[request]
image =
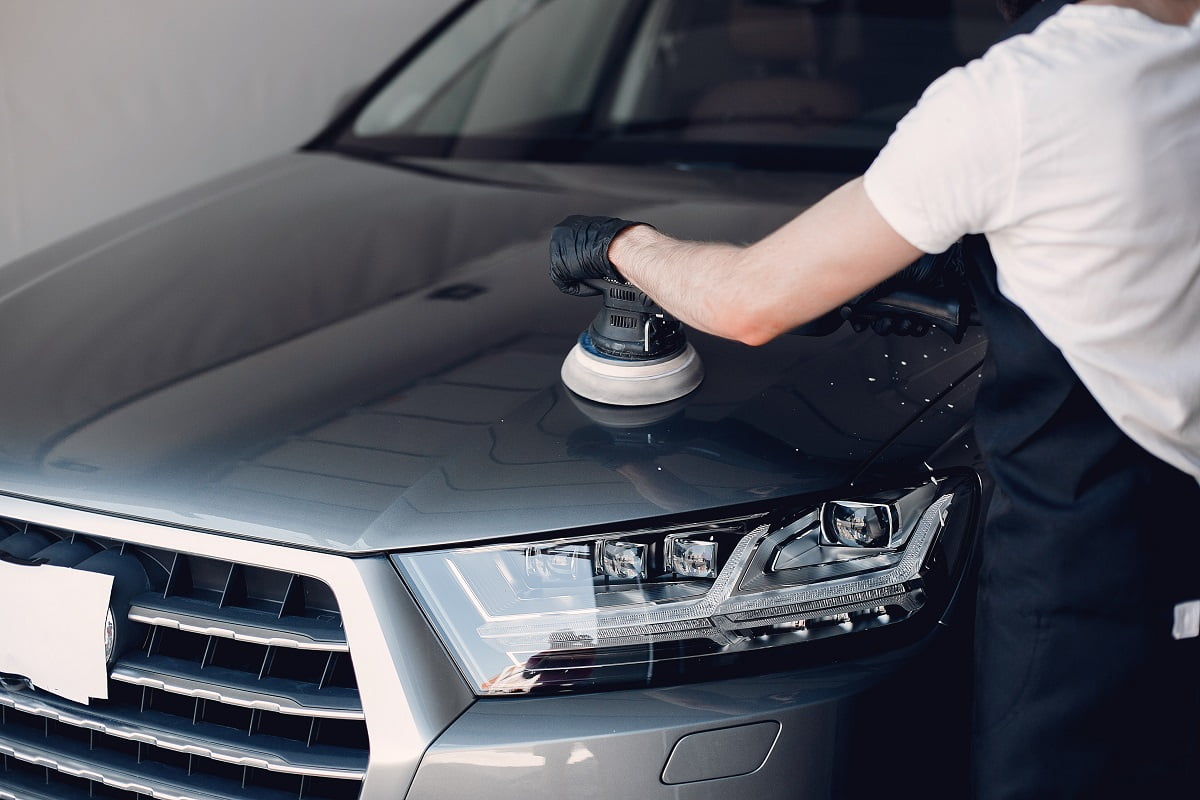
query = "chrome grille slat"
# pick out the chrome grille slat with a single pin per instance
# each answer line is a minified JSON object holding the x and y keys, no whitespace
{"x":27,"y":790}
{"x":77,"y":762}
{"x":237,"y":684}
{"x":209,"y":741}
{"x":194,"y":616}
{"x":230,"y":686}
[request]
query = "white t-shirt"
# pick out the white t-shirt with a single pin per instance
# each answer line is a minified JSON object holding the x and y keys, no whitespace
{"x":1076,"y":150}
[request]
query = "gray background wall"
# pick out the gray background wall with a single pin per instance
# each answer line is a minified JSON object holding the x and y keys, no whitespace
{"x":108,"y":104}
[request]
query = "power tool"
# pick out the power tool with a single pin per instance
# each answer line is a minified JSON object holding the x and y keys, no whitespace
{"x":633,"y":353}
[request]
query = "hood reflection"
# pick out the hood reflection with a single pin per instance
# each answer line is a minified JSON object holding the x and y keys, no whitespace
{"x":343,"y":356}
{"x":632,"y":441}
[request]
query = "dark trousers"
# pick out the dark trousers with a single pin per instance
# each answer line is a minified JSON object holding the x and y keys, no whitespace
{"x":1081,"y":690}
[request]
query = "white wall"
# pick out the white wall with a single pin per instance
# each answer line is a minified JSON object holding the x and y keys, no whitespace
{"x":108,"y":104}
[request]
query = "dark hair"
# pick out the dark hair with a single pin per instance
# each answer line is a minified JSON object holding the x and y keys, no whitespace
{"x":1011,"y":9}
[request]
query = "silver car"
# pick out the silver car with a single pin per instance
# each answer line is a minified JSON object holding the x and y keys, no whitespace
{"x":293,"y":502}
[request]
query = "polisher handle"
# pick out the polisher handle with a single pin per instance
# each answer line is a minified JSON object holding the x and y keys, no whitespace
{"x":631,"y":325}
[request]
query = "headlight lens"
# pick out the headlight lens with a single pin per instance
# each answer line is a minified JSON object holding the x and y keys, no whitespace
{"x":580,"y":611}
{"x":858,"y":524}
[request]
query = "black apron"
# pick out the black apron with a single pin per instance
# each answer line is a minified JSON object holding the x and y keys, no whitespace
{"x":1081,"y":691}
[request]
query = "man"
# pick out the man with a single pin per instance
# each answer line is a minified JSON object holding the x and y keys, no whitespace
{"x":1075,"y":151}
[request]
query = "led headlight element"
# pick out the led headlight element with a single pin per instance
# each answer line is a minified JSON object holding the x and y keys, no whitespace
{"x":858,"y":524}
{"x":581,"y":611}
{"x":620,"y":559}
{"x":558,"y":563}
{"x":691,"y":558}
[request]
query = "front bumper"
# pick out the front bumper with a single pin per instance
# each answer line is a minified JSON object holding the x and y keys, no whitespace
{"x":848,"y":729}
{"x":841,"y":728}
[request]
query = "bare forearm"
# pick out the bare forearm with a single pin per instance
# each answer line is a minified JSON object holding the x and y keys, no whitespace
{"x":834,"y":251}
{"x":686,"y":278}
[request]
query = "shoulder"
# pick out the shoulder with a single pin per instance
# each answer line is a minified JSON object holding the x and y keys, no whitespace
{"x":1084,"y":45}
{"x":947,"y":168}
{"x":968,"y":104}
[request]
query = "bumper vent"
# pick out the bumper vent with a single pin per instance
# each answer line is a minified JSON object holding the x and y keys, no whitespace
{"x":237,"y":683}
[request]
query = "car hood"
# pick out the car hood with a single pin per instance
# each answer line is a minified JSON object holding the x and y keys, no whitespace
{"x":360,"y":357}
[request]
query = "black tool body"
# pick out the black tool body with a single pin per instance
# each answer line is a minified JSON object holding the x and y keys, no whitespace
{"x":631,"y":326}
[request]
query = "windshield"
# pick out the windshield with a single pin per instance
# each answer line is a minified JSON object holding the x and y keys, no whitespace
{"x":764,"y":83}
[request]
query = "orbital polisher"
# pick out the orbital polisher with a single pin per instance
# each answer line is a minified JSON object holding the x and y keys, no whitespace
{"x":633,"y":353}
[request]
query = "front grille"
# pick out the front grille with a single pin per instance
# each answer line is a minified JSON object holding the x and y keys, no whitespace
{"x":239,"y":684}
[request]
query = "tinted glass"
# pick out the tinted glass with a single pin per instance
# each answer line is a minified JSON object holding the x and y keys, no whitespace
{"x":725,"y":81}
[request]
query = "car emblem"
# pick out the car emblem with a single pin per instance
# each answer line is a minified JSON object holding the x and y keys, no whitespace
{"x":110,"y":636}
{"x":53,"y":630}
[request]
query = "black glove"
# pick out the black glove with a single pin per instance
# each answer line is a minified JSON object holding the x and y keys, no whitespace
{"x":930,"y":291}
{"x":579,"y":252}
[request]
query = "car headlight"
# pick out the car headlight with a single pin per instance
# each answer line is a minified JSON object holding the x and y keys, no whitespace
{"x":611,"y":608}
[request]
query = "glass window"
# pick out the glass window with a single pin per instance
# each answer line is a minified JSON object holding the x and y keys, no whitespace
{"x":721,"y":81}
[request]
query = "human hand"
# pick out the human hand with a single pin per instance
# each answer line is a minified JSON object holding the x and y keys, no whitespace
{"x":930,"y":292}
{"x":579,"y":252}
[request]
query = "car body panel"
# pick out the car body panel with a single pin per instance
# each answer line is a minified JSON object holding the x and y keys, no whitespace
{"x":743,"y":737}
{"x":362,"y":357}
{"x":265,"y":389}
